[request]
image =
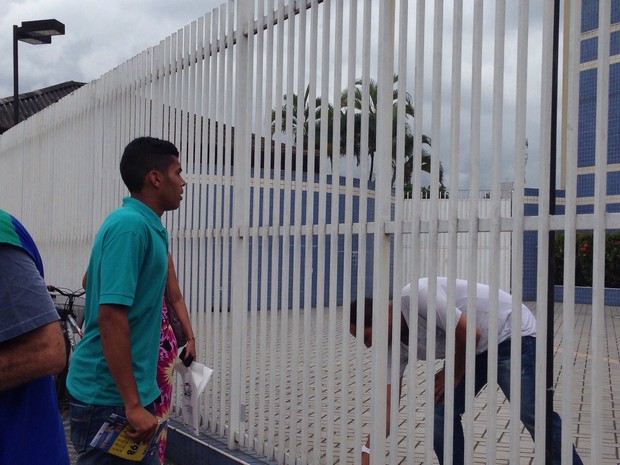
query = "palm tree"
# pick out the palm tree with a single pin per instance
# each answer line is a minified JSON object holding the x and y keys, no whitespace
{"x":372,"y":128}
{"x":289,"y":110}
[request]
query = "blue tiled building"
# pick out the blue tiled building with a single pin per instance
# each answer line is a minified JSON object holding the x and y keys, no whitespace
{"x":588,"y":56}
{"x":587,"y":106}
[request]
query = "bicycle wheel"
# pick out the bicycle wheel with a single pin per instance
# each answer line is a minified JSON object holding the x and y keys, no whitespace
{"x":60,"y":380}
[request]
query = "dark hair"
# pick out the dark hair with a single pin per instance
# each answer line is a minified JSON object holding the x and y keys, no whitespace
{"x":143,"y":155}
{"x":367,"y":313}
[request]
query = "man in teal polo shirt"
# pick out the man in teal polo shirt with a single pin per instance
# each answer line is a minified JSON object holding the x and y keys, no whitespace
{"x":113,"y":369}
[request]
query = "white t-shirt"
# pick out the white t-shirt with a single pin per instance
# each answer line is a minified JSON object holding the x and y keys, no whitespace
{"x":504,"y":311}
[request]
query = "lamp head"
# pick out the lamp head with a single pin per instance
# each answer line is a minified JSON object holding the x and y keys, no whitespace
{"x":39,"y":32}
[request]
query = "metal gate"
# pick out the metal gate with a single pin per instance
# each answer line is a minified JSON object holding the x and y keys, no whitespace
{"x":302,"y":126}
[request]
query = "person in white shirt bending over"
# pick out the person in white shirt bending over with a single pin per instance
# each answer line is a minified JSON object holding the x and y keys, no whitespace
{"x":527,"y":332}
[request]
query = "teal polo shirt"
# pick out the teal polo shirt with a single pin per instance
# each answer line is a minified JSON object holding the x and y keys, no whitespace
{"x":128,"y":266}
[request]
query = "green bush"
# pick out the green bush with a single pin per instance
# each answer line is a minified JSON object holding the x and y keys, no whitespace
{"x":584,"y":245}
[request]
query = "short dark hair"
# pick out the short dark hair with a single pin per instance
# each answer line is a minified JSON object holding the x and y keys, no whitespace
{"x":367,"y":313}
{"x":143,"y":155}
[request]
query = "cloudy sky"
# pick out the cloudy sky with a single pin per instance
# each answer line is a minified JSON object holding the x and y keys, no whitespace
{"x":102,"y":35}
{"x":99,"y":36}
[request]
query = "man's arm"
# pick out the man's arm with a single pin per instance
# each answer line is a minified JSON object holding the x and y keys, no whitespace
{"x":37,"y":353}
{"x":388,"y":408}
{"x":460,"y":343}
{"x":116,"y":342}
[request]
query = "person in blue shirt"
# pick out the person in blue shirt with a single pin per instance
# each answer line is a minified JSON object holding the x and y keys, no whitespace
{"x":113,"y":369}
{"x":32,"y":349}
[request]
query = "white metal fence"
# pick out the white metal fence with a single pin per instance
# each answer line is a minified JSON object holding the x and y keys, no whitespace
{"x":491,"y":261}
{"x":271,"y":249}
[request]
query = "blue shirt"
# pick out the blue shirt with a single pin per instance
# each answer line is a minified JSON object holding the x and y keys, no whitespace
{"x":31,"y":430}
{"x":128,"y":266}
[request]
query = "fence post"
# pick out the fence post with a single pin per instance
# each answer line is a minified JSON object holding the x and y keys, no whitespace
{"x":382,"y":240}
{"x":241,"y":165}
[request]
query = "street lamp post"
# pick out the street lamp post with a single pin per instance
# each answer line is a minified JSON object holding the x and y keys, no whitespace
{"x":36,"y":33}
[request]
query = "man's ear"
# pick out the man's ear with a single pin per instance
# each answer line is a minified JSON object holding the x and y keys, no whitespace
{"x":153,"y":178}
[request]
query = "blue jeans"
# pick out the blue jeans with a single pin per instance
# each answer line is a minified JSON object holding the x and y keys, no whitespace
{"x":86,"y":419}
{"x":528,"y":383}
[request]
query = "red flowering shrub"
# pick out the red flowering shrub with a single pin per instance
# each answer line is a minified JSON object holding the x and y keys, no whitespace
{"x":583,"y":263}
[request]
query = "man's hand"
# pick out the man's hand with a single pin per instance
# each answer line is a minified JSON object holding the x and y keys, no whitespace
{"x":366,"y":453}
{"x":143,"y":423}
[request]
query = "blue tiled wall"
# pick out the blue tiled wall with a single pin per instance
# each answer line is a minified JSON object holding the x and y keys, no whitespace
{"x":615,"y":11}
{"x":589,"y":49}
{"x":589,"y":14}
{"x":587,"y":118}
{"x":613,"y":135}
{"x":585,"y":184}
{"x":583,"y":295}
{"x":275,"y":270}
{"x":614,"y":48}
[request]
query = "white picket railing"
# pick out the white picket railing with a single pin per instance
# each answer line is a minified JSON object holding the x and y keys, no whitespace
{"x":270,"y":249}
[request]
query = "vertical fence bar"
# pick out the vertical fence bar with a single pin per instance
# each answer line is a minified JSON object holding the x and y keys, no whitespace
{"x":240,"y":220}
{"x":334,"y":220}
{"x":518,"y":227}
{"x":598,"y":253}
{"x":206,"y":172}
{"x":457,"y":52}
{"x":415,"y":257}
{"x":276,"y":331}
{"x":254,"y":430}
{"x":157,"y":117}
{"x":495,"y":216}
{"x":217,"y":157}
{"x":247,"y":365}
{"x":297,"y":336}
{"x":552,"y":211}
{"x":212,"y":291}
{"x":362,"y":218}
{"x":404,"y":108}
{"x":573,"y":12}
{"x":348,"y":239}
{"x":267,"y":223}
{"x":542,"y":307}
{"x":382,"y":240}
{"x":321,"y":224}
{"x":544,"y":230}
{"x":286,"y":34}
{"x":308,"y":389}
{"x":195,"y":307}
{"x":473,"y":234}
{"x":227,"y":213}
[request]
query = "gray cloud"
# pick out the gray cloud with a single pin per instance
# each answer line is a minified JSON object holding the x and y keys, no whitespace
{"x":99,"y":36}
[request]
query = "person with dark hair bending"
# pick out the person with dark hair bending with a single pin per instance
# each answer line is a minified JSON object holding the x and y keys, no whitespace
{"x":527,"y":333}
{"x":113,"y":369}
